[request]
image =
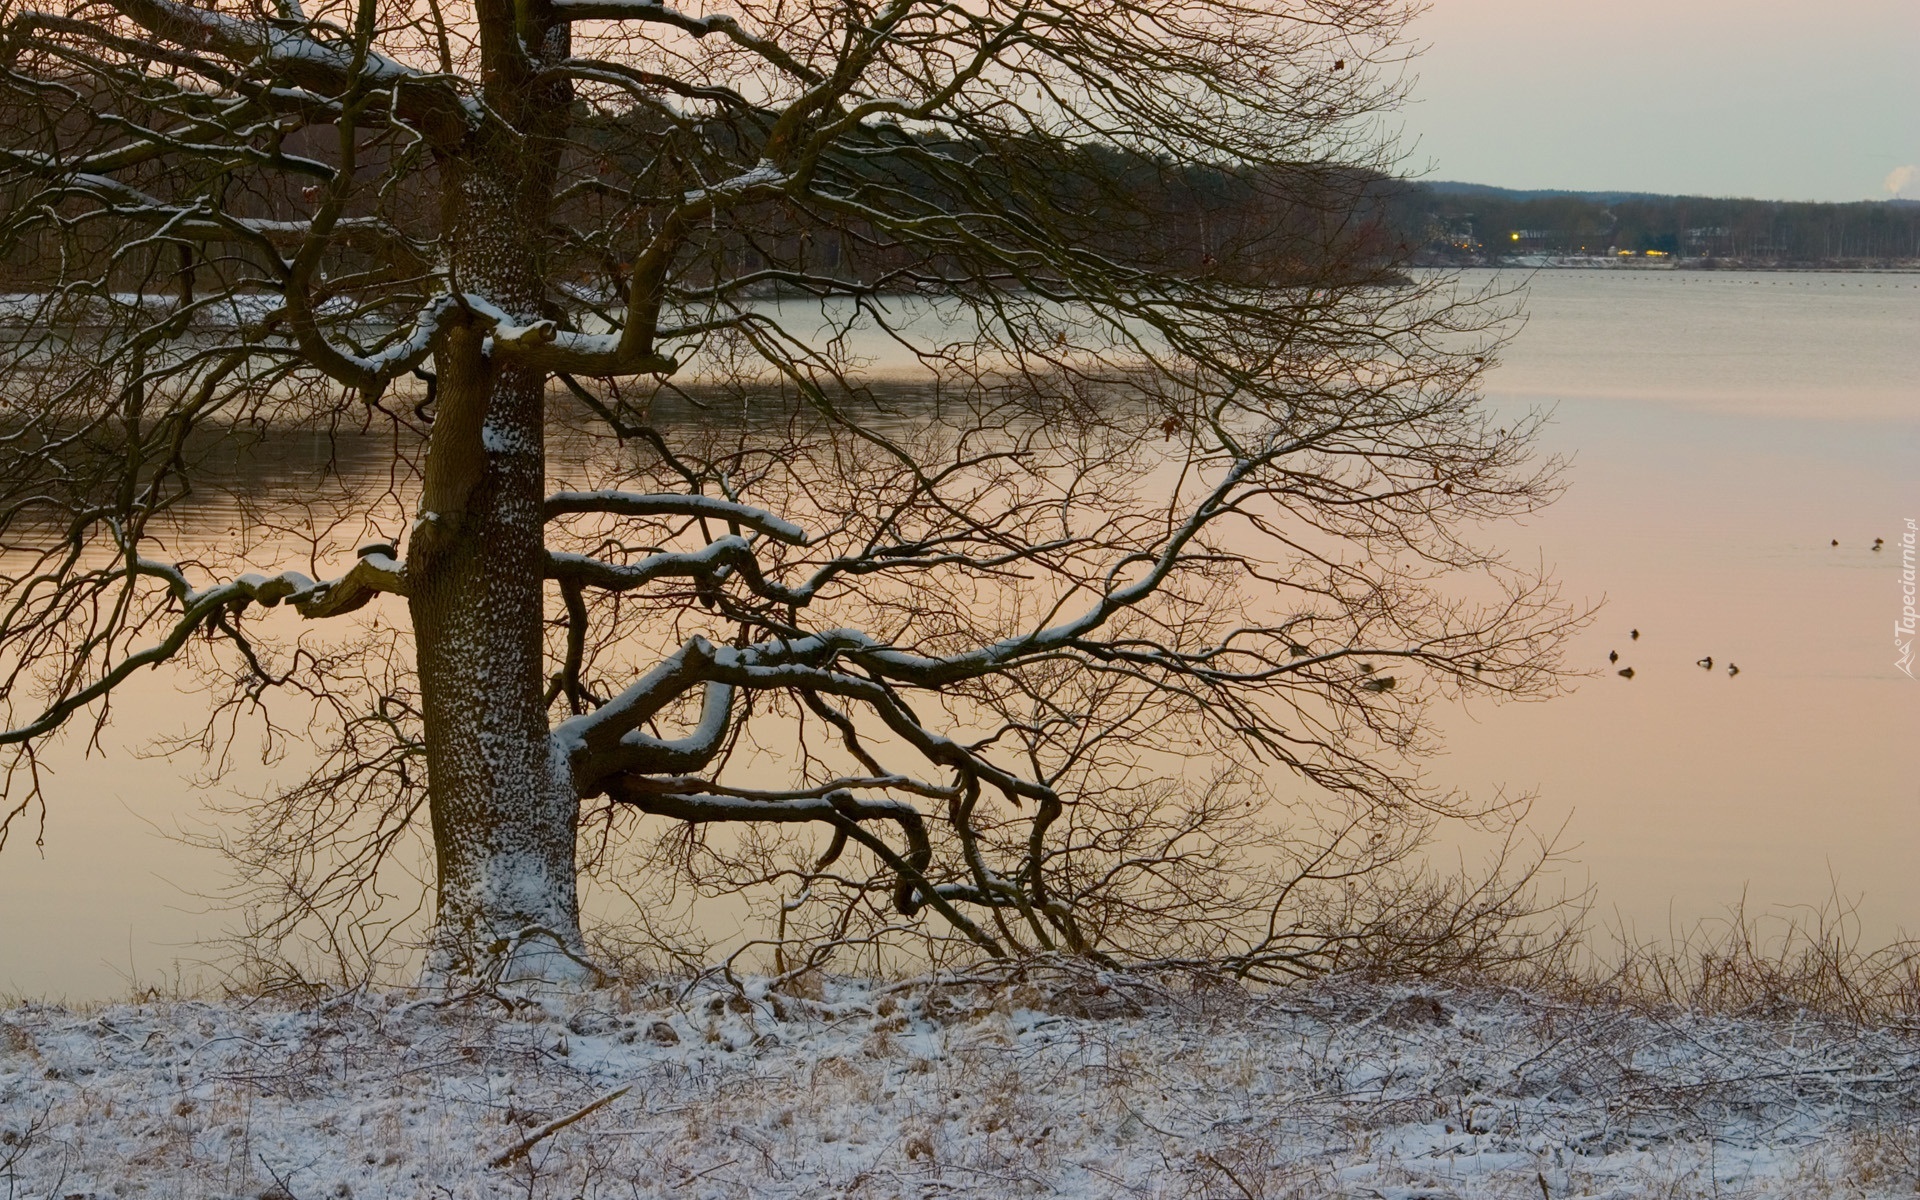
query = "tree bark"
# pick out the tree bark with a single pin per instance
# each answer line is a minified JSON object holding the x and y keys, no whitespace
{"x":502,"y":803}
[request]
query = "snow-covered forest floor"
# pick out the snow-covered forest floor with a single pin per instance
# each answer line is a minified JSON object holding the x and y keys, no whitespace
{"x":1114,"y":1088}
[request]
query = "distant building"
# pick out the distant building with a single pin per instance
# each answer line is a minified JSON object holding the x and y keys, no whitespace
{"x":1454,"y":236}
{"x":1707,"y":241}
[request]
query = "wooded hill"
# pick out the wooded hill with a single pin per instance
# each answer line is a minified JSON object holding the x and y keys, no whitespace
{"x":1468,"y":222}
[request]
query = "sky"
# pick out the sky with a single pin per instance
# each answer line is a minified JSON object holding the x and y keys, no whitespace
{"x":1801,"y":100}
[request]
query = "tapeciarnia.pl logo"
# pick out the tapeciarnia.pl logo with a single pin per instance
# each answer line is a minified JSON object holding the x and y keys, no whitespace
{"x":1903,"y":629}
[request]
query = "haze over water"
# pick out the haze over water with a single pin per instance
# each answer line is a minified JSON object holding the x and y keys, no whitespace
{"x":1723,"y":430}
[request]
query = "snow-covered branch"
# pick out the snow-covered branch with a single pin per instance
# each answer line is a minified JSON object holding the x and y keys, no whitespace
{"x":369,"y":373}
{"x":642,"y":85}
{"x":762,"y":176}
{"x":644,"y":754}
{"x":701,"y":808}
{"x":700,"y":27}
{"x":717,"y":558}
{"x":293,"y":52}
{"x":674,"y":504}
{"x":841,"y":809}
{"x":543,"y":345}
{"x":595,"y":737}
{"x":373,"y":574}
{"x":149,"y":144}
{"x":197,"y":222}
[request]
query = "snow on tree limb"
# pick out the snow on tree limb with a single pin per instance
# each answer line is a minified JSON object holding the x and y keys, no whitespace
{"x":658,"y":13}
{"x":372,"y":575}
{"x":629,"y":504}
{"x":641,"y":752}
{"x":722,"y":554}
{"x":545,"y":346}
{"x":294,"y":54}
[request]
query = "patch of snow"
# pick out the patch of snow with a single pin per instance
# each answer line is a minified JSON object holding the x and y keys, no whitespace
{"x":1335,"y":1089}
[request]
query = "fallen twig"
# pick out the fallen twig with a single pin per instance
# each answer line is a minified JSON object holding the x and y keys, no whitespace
{"x":555,"y":1126}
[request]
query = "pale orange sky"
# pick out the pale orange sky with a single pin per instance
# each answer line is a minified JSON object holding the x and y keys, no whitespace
{"x":1780,"y":99}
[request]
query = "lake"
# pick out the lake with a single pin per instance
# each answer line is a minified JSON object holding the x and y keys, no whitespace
{"x":1723,"y":429}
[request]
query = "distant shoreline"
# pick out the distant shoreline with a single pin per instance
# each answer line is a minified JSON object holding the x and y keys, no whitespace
{"x":1558,"y":263}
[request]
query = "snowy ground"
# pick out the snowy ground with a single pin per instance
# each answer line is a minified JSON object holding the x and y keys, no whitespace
{"x":1335,"y":1090}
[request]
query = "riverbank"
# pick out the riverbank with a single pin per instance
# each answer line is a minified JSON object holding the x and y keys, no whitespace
{"x":1104,"y":1088}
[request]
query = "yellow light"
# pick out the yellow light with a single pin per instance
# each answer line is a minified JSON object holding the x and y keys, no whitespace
{"x":1516,"y":237}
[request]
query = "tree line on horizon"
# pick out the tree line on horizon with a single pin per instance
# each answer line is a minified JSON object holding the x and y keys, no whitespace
{"x":1241,"y":223}
{"x":1237,"y":223}
{"x":1469,"y":226}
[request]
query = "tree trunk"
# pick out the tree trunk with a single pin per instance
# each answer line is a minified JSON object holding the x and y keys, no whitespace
{"x":502,"y":804}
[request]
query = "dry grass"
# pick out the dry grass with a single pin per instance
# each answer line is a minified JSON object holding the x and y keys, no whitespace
{"x":1758,"y":1055}
{"x":1060,"y":1081}
{"x":1810,"y":960}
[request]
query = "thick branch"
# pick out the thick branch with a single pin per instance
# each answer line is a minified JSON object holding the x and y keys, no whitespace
{"x":699,"y":27}
{"x":840,"y":809}
{"x":641,"y":753}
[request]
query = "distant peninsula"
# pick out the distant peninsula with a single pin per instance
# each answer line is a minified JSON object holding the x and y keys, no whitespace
{"x":1472,"y":224}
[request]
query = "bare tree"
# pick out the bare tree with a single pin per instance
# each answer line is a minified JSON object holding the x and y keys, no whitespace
{"x":1193,"y":480}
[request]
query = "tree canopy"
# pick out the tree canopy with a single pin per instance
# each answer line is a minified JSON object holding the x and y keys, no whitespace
{"x":1103,"y":619}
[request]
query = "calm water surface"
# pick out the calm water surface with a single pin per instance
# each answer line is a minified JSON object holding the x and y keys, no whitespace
{"x":1723,"y":429}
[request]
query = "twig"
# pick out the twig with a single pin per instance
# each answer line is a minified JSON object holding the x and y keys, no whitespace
{"x":1216,"y":1164}
{"x":555,"y":1126}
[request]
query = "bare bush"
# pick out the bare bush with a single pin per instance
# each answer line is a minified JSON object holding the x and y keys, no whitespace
{"x":1800,"y":960}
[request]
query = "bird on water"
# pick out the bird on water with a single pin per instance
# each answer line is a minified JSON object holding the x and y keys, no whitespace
{"x":1705,"y":664}
{"x":1732,"y":670}
{"x":1613,"y":656}
{"x":1635,"y":635}
{"x":1626,"y":672}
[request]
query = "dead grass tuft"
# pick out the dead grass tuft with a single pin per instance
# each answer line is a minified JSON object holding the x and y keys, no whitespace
{"x":1799,"y":961}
